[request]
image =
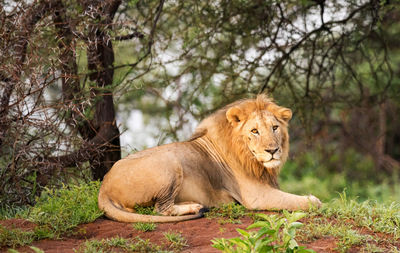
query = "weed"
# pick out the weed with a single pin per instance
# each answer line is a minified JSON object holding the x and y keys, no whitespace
{"x":143,"y":226}
{"x":177,"y":241}
{"x":274,"y":234}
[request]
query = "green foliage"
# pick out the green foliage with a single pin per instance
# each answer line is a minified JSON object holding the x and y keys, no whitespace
{"x":110,"y":244}
{"x":144,"y":226}
{"x":274,"y":234}
{"x":176,"y":240}
{"x":63,"y":209}
{"x":227,"y":213}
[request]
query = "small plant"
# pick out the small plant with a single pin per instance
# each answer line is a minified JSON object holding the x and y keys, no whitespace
{"x":274,"y":235}
{"x":143,"y":226}
{"x":177,"y":241}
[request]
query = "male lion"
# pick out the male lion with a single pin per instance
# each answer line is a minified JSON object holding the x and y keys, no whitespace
{"x":235,"y":154}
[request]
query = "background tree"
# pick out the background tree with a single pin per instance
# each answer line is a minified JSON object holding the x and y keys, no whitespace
{"x":57,"y":114}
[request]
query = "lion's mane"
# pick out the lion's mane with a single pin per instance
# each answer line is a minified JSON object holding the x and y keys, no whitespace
{"x":233,"y":148}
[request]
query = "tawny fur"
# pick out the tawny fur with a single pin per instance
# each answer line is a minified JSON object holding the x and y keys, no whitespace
{"x":229,"y":158}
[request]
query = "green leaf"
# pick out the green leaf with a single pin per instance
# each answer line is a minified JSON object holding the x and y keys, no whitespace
{"x":296,"y":224}
{"x":242,"y":232}
{"x":259,"y":224}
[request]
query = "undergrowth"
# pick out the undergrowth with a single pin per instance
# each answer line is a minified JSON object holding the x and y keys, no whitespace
{"x":63,"y":209}
{"x":56,"y":212}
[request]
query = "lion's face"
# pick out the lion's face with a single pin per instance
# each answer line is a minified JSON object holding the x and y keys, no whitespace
{"x":264,"y":133}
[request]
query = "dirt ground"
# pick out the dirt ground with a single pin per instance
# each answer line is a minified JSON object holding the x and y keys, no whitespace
{"x":198,"y":234}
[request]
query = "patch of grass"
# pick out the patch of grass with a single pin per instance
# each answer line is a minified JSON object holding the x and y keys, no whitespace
{"x":275,"y":234}
{"x":146,"y":210}
{"x":63,"y":209}
{"x":176,"y":240}
{"x":9,"y":212}
{"x":33,"y":248}
{"x":345,"y":220}
{"x":227,"y":213}
{"x":144,"y":226}
{"x":127,"y":245}
{"x":375,"y":216}
{"x":343,"y":232}
{"x":16,"y":237}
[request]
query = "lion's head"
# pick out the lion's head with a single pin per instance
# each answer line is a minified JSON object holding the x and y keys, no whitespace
{"x":253,"y":131}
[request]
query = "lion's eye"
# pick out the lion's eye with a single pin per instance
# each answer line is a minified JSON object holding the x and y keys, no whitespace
{"x":274,"y":127}
{"x":254,"y":131}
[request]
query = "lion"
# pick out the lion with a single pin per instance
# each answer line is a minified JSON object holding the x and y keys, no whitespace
{"x":235,"y":155}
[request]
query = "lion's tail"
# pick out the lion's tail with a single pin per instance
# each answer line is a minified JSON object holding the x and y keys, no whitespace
{"x":118,"y":214}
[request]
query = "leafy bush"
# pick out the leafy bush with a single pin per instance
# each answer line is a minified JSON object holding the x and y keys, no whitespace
{"x":274,"y":235}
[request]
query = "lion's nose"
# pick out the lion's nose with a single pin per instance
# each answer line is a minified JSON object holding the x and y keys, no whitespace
{"x":271,"y":151}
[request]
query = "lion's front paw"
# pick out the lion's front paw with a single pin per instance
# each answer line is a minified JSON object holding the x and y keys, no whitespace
{"x":314,"y":201}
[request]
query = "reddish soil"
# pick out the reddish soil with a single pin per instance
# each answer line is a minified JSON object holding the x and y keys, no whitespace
{"x":198,"y":234}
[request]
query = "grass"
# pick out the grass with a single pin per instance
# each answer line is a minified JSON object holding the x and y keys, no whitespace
{"x":56,"y":212}
{"x":145,"y":227}
{"x":227,"y":213}
{"x":63,"y":209}
{"x":355,"y":223}
{"x":111,"y":244}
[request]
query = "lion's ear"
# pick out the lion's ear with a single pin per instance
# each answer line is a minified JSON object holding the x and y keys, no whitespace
{"x":285,"y":114}
{"x":235,"y":115}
